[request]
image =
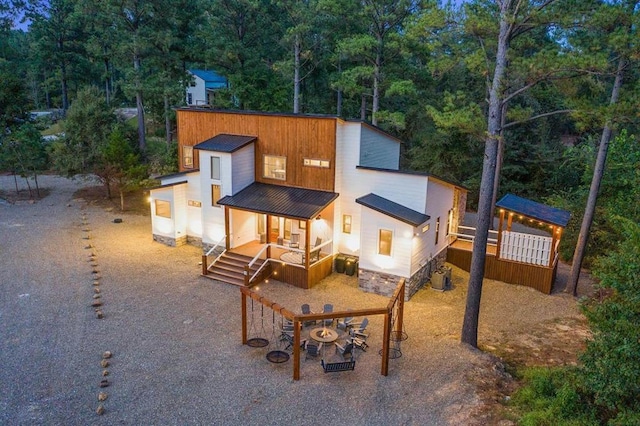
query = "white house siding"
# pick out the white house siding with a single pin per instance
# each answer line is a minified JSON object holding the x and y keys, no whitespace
{"x":194,"y":212}
{"x":347,"y":158}
{"x":213,"y":229}
{"x":378,"y":150}
{"x":399,"y":263}
{"x":244,"y":228}
{"x":171,"y":231}
{"x":440,"y":198}
{"x":242,"y":168}
{"x":198,"y":92}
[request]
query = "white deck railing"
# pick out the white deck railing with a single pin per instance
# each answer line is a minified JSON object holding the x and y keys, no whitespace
{"x":470,"y":236}
{"x":526,"y":248}
{"x":209,"y":265}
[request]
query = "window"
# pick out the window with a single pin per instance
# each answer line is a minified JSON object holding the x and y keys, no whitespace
{"x":189,"y":98}
{"x":215,"y":195}
{"x":437,"y":229}
{"x":312,"y":162}
{"x":215,"y":168}
{"x":163,"y":208}
{"x":187,"y":156}
{"x":287,"y":229}
{"x":346,"y":223}
{"x":302,"y":224}
{"x":384,"y":242}
{"x":275,"y":167}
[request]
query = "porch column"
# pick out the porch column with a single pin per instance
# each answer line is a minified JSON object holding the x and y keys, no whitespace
{"x":268,"y":236}
{"x":307,"y":242}
{"x":227,"y":238}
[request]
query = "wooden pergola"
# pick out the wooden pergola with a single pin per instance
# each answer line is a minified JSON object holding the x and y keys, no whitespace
{"x":298,"y":319}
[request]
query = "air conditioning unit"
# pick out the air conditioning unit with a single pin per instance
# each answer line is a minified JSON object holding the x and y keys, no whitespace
{"x":441,"y":279}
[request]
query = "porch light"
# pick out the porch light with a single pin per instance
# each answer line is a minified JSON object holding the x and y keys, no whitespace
{"x":319,"y":217}
{"x":501,"y":210}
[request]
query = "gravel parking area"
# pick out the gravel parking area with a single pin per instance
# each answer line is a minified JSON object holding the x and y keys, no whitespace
{"x":176,"y":337}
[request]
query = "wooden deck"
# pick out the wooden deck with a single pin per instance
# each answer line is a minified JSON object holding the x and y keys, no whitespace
{"x":540,"y":278}
{"x":293,"y":274}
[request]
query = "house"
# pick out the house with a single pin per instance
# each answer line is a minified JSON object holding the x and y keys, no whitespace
{"x":203,"y":85}
{"x":298,"y":196}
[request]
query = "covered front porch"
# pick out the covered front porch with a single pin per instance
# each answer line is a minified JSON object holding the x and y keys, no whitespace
{"x":517,"y":256}
{"x":275,"y":231}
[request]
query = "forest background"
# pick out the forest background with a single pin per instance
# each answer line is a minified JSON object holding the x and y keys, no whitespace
{"x":421,"y":70}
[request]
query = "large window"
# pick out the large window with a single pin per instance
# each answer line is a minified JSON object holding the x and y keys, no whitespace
{"x":187,"y":156}
{"x":346,"y":223}
{"x":163,"y":208}
{"x":275,"y":167}
{"x":384,"y":242}
{"x":215,"y":168}
{"x":215,"y":195}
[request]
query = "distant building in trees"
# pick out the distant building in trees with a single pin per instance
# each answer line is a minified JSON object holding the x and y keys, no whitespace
{"x":204,"y":83}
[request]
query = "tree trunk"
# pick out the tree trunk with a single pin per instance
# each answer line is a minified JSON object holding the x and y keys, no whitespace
{"x":296,"y":75}
{"x":598,"y":172}
{"x":339,"y":93}
{"x":499,"y":160}
{"x":35,"y":178}
{"x":107,"y":90}
{"x":476,"y":274}
{"x":167,"y":119}
{"x":26,"y":179}
{"x":63,"y":80}
{"x":375,"y":105}
{"x":121,"y":200}
{"x":142,"y":144}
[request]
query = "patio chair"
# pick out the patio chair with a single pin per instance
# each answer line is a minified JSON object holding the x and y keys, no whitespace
{"x":307,"y":310}
{"x":359,"y":329}
{"x":312,"y":350}
{"x":345,"y":323}
{"x":295,"y":241}
{"x":346,"y":351}
{"x":328,"y":307}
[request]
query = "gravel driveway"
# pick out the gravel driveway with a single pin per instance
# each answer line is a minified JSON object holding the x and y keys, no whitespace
{"x":175,"y":336}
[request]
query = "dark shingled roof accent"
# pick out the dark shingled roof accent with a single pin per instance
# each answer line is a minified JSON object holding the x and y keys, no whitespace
{"x":168,"y":185}
{"x":395,"y":210}
{"x":225,"y":143}
{"x":534,"y":210}
{"x":296,"y":203}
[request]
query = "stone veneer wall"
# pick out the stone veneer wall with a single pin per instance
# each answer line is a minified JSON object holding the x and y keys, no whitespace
{"x":171,"y":242}
{"x":385,"y":284}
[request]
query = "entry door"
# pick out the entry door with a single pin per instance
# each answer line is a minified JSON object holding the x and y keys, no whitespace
{"x":275,"y":227}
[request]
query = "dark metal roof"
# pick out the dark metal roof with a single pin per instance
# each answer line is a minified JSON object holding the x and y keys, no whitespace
{"x":395,"y":210}
{"x":296,"y":203}
{"x":168,"y":185}
{"x":225,"y":143}
{"x":172,"y":175}
{"x":534,"y":210}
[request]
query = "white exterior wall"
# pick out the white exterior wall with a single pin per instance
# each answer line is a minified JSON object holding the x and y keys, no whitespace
{"x":175,"y":226}
{"x":347,"y":158}
{"x":399,"y":263}
{"x":213,"y":229}
{"x":198,"y":92}
{"x":243,"y":168}
{"x":194,"y":213}
{"x":378,"y":150}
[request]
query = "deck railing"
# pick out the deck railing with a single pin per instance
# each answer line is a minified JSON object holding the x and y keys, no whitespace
{"x":471,"y":235}
{"x":205,"y":257}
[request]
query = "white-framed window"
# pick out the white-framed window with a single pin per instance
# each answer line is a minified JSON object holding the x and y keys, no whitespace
{"x":189,"y":98}
{"x":274,"y":167}
{"x":215,"y":168}
{"x":314,"y":162}
{"x":385,"y":237}
{"x":346,"y":223}
{"x":437,"y":229}
{"x":187,"y":156}
{"x":163,"y":208}
{"x":215,"y":195}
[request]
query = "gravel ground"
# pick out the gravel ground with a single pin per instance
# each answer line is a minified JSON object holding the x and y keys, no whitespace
{"x":176,"y":339}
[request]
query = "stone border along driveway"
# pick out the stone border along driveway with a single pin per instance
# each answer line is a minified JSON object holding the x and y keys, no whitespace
{"x":175,"y":336}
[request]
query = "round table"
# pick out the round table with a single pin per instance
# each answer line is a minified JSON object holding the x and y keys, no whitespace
{"x":292,"y":257}
{"x":324,"y":334}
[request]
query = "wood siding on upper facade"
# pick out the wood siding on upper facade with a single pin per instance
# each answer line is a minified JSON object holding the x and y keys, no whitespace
{"x":292,"y":137}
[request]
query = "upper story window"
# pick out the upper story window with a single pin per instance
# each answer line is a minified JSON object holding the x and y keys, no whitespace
{"x":189,"y":98}
{"x":215,"y":195}
{"x":312,"y":162}
{"x":275,"y":167}
{"x":187,"y":156}
{"x":215,"y":168}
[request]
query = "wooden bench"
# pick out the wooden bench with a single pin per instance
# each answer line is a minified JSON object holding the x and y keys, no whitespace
{"x":336,"y":367}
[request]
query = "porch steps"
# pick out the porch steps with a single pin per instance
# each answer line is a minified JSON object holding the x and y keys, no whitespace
{"x":230,"y":268}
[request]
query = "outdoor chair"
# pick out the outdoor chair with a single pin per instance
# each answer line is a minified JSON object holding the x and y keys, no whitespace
{"x":346,"y":351}
{"x":313,"y":350}
{"x":327,"y":308}
{"x":345,"y":323}
{"x":359,"y":329}
{"x":295,"y":241}
{"x":307,"y":310}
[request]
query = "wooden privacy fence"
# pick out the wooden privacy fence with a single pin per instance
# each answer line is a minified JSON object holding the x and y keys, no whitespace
{"x":393,"y":321}
{"x":526,"y":248}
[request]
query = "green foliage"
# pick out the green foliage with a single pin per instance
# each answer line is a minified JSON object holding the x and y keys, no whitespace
{"x":162,"y":157}
{"x":550,"y":397}
{"x":611,"y":370}
{"x":23,"y":152}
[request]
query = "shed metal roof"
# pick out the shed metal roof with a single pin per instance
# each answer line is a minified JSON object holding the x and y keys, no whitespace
{"x":296,"y":203}
{"x":534,"y":210}
{"x":212,"y":80}
{"x":225,"y":143}
{"x":393,"y":209}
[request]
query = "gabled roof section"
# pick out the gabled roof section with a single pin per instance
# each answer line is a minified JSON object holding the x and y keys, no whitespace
{"x":534,"y":210}
{"x":296,"y":203}
{"x":225,"y":143}
{"x":209,"y":76}
{"x":393,"y":209}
